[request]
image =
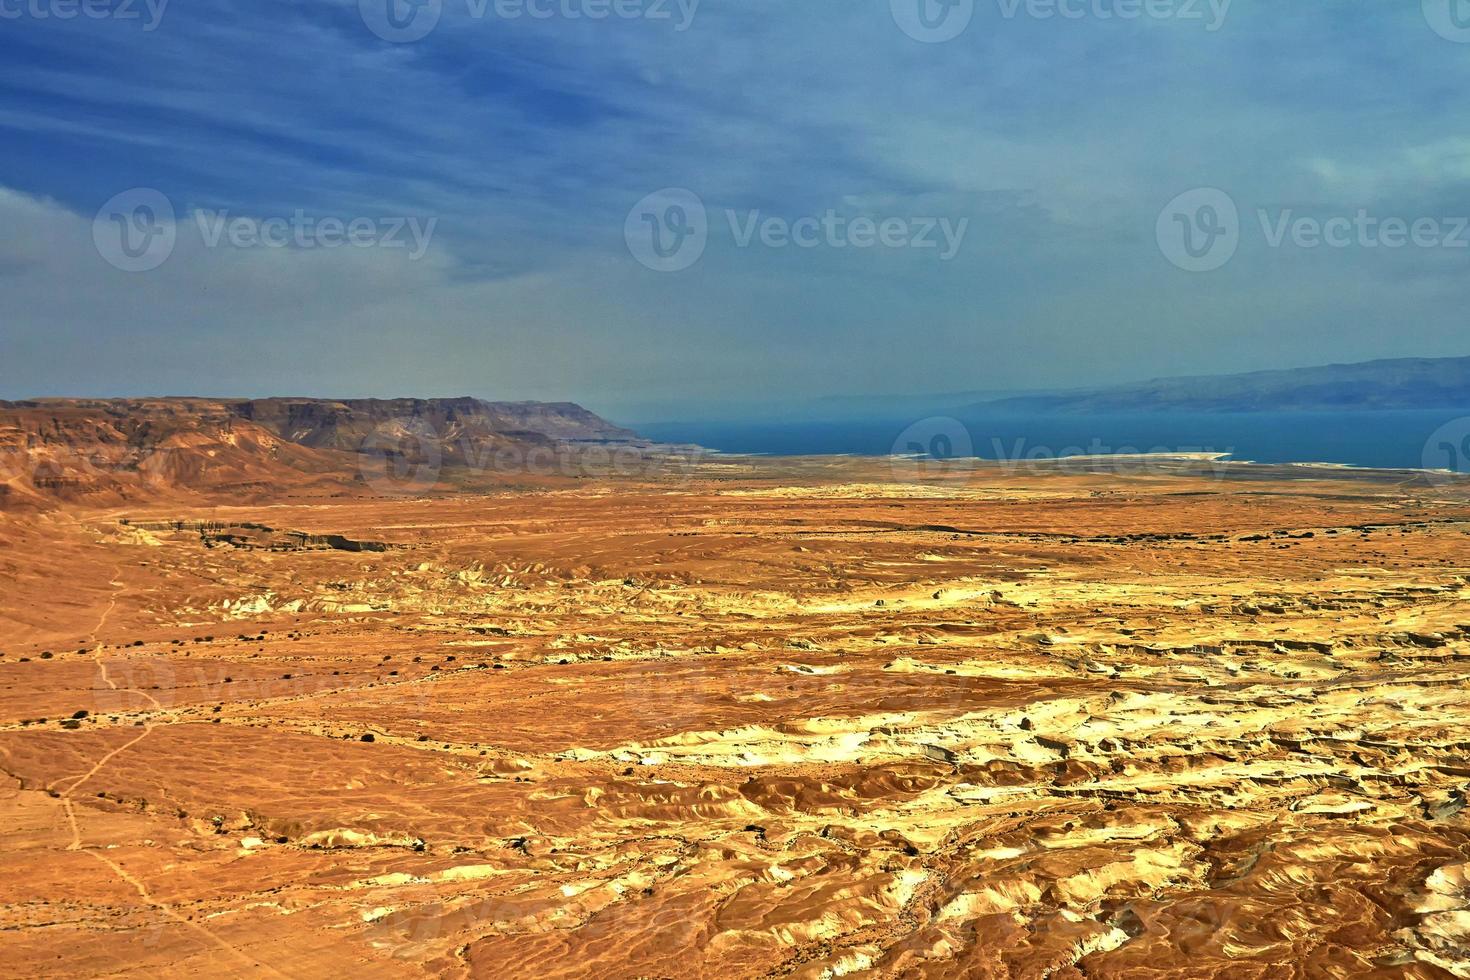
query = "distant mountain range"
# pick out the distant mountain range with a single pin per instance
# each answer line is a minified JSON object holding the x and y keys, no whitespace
{"x":1403,"y":383}
{"x":892,"y":406}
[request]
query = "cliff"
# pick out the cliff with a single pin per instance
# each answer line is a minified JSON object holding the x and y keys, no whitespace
{"x":111,"y":450}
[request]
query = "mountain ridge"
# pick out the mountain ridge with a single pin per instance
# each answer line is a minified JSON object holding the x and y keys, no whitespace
{"x":111,"y":450}
{"x":1384,"y":384}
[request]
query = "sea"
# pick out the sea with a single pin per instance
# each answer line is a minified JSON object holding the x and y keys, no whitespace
{"x":1417,"y":439}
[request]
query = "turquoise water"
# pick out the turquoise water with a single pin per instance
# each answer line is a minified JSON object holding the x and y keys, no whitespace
{"x":1437,"y":438}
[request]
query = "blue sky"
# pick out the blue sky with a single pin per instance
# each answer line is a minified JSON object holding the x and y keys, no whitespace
{"x":1056,"y":140}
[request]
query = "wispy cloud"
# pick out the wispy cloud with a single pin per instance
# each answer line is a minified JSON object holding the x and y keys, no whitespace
{"x":530,"y":139}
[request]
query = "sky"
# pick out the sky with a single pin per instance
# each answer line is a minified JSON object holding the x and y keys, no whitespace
{"x":676,"y":209}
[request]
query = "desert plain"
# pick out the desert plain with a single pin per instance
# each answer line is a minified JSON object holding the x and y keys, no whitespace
{"x":800,"y":718}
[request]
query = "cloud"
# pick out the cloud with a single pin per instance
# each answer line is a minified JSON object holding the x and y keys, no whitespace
{"x":1388,"y":171}
{"x":529,"y":140}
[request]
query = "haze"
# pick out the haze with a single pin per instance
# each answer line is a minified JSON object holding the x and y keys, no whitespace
{"x":521,"y":145}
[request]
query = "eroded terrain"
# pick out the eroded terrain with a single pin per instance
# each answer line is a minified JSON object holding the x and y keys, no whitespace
{"x":796,"y":719}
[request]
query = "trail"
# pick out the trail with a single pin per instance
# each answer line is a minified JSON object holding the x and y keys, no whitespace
{"x":69,"y":810}
{"x":119,"y":589}
{"x":78,"y":781}
{"x":188,"y":923}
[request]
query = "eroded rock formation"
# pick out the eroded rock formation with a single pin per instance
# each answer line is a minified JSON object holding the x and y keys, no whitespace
{"x":801,"y":719}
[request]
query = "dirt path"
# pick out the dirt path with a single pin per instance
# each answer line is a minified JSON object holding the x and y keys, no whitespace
{"x":64,"y":796}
